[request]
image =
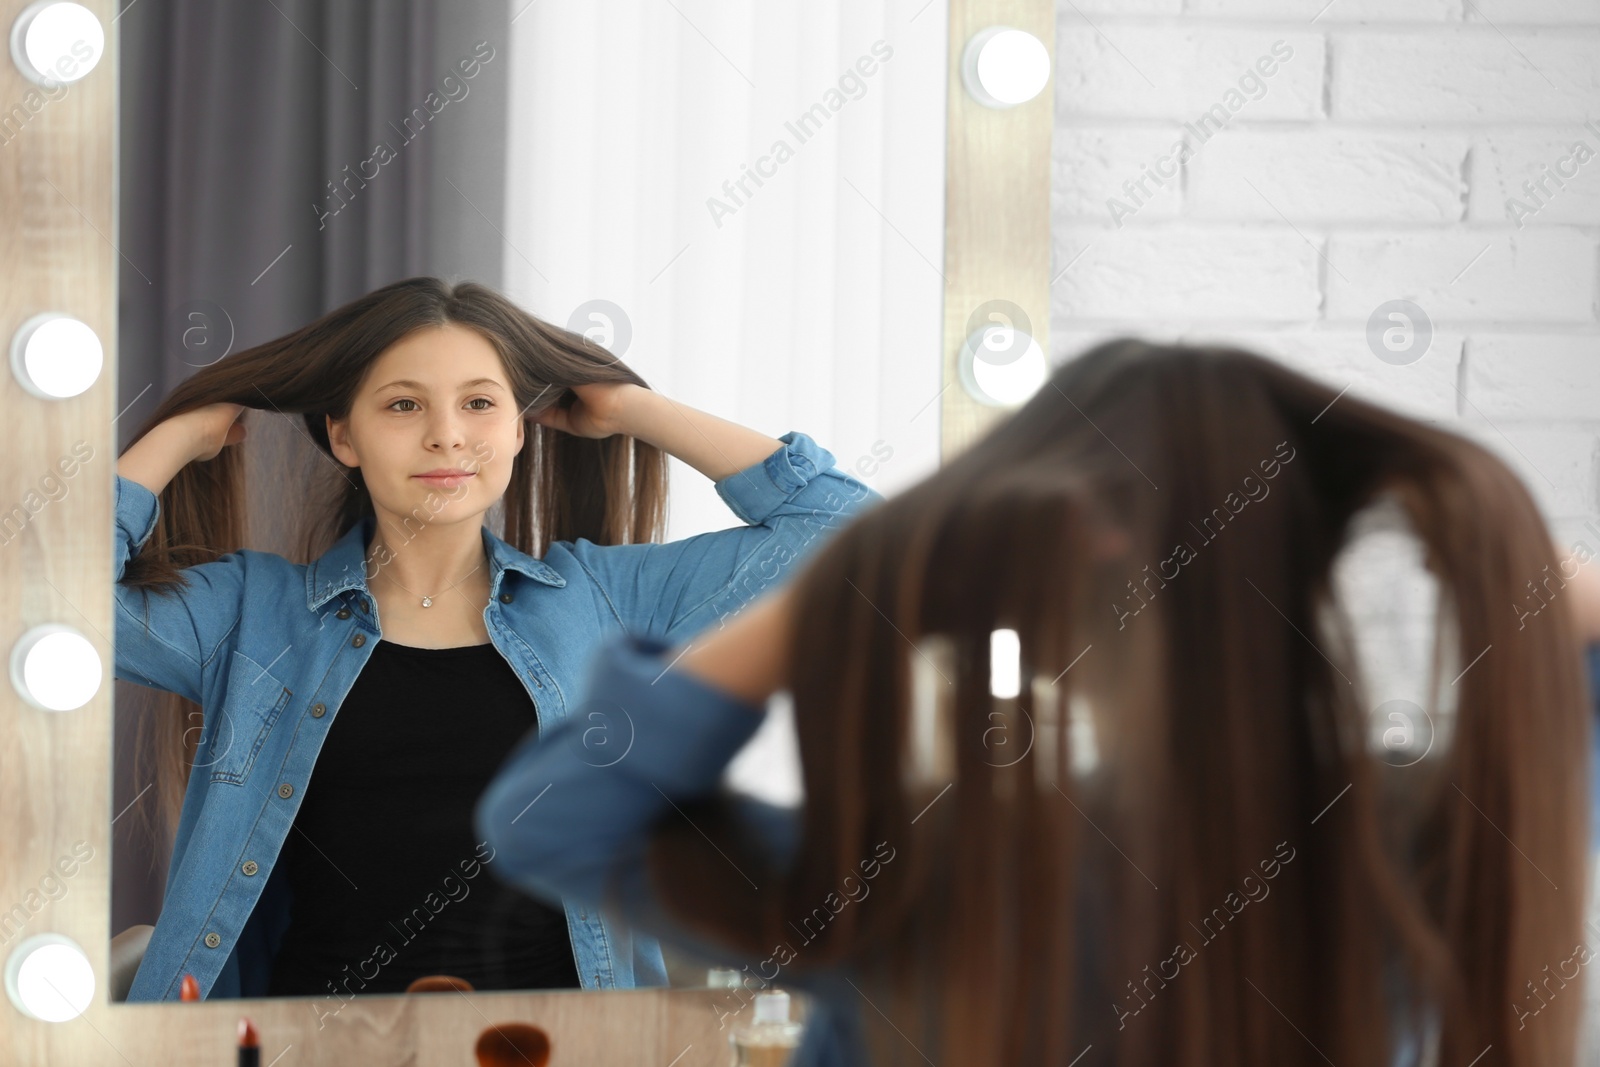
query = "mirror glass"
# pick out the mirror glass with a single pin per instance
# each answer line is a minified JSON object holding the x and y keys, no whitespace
{"x":743,"y":205}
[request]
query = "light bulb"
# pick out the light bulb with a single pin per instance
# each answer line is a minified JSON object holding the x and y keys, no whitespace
{"x":55,"y":356}
{"x":55,"y":668}
{"x":1001,"y":366}
{"x":1003,"y":67}
{"x":55,"y":43}
{"x":49,"y":978}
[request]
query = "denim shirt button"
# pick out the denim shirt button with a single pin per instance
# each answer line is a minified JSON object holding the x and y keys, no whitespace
{"x":342,"y":613}
{"x":359,"y":640}
{"x":214,"y":939}
{"x":250,"y":867}
{"x":318,"y":710}
{"x":286,"y":790}
{"x":505,"y":598}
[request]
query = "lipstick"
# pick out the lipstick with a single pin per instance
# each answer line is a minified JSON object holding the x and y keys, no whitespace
{"x":249,"y":1044}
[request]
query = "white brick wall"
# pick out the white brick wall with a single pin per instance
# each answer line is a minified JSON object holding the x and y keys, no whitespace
{"x":1370,"y":158}
{"x":1370,"y":161}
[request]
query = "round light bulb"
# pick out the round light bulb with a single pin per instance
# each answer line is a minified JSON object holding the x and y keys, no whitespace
{"x":49,"y":978}
{"x":56,"y":356}
{"x":55,"y":668}
{"x":1002,"y":366}
{"x":1003,"y":67}
{"x":54,"y":43}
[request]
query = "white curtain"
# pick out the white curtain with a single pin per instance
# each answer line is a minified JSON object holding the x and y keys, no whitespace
{"x":810,"y":300}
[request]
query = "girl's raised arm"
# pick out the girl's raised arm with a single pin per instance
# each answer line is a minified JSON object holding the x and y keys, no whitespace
{"x":787,"y":490}
{"x":164,"y":640}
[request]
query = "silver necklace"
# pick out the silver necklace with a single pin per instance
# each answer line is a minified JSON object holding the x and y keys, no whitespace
{"x":427,"y":601}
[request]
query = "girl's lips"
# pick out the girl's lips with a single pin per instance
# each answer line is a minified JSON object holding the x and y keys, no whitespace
{"x":445,"y":479}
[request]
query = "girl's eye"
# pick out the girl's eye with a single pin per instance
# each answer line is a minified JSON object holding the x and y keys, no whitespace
{"x":474,"y":400}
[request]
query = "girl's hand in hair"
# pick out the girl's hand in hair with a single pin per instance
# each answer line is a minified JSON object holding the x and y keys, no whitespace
{"x":213,"y":428}
{"x":601,"y":409}
{"x":157,"y":457}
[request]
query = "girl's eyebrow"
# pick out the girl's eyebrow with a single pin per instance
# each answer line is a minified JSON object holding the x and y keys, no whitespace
{"x":409,"y":384}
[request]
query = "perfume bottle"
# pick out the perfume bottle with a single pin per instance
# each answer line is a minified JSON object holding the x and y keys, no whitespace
{"x":770,"y":1038}
{"x":722,"y":978}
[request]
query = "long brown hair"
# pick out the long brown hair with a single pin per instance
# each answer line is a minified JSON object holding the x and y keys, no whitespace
{"x":611,"y":490}
{"x":1176,"y":843}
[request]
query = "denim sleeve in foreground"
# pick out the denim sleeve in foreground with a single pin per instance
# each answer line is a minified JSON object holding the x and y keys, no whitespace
{"x":1592,"y":658}
{"x":789,"y":501}
{"x":164,"y":640}
{"x":567,"y":815}
{"x":567,"y":819}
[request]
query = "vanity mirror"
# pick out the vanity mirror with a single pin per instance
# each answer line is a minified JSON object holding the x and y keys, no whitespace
{"x":829,"y":219}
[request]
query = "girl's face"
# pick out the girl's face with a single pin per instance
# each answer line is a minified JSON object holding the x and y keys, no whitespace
{"x":436,"y":399}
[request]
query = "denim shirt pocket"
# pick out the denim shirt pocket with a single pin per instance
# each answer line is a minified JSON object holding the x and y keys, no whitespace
{"x":251,"y":704}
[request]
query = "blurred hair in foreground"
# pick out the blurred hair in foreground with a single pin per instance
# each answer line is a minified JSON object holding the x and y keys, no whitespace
{"x":1174,"y":844}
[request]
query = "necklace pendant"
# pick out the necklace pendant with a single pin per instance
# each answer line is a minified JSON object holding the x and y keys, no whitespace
{"x":427,"y":601}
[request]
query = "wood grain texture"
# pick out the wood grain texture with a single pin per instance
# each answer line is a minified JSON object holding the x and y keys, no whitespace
{"x":997,"y":207}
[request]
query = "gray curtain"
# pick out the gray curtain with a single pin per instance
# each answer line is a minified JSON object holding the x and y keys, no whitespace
{"x":236,"y":122}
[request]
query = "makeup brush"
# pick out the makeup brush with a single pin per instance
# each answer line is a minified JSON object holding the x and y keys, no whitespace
{"x":512,"y":1045}
{"x":439,"y":983}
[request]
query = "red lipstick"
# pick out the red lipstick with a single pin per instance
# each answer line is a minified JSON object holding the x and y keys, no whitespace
{"x":249,"y":1044}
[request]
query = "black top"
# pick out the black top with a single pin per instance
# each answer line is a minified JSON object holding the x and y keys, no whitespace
{"x":387,"y":882}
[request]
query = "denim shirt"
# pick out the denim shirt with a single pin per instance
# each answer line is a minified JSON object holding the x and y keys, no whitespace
{"x":277,"y":646}
{"x":568,"y":825}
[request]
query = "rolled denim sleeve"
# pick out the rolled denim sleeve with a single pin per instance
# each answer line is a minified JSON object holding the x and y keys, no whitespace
{"x":166,"y":640}
{"x":790,"y":502}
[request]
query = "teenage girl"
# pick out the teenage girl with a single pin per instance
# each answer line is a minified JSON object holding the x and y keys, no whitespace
{"x":337,"y":718}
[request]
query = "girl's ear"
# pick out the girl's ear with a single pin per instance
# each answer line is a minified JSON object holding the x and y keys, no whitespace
{"x":339,"y":443}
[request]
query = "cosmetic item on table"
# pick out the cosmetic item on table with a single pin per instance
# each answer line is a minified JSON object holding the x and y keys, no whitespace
{"x":722,"y":978}
{"x":190,"y":990}
{"x":770,"y":1038}
{"x":439,"y":983}
{"x":249,"y":1044}
{"x":512,"y":1045}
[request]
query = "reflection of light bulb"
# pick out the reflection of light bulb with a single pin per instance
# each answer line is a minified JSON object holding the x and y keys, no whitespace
{"x":54,"y":43}
{"x":1003,"y":67}
{"x":1001,"y":366}
{"x":1085,"y":747}
{"x":55,"y":356}
{"x":55,"y":668}
{"x":1005,"y":664}
{"x":49,"y":978}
